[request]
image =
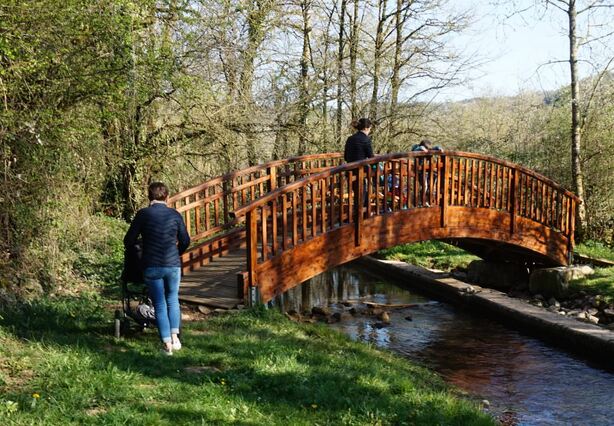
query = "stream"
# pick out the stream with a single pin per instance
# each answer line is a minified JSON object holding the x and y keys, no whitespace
{"x":525,"y":381}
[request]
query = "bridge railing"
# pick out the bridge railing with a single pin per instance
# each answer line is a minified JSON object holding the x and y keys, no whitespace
{"x":206,"y":207}
{"x":348,"y":195}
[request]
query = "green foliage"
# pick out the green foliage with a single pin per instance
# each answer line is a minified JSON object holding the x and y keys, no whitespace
{"x":253,"y":367}
{"x":430,"y":254}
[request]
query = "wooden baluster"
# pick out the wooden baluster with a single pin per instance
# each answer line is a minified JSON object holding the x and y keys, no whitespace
{"x":274,"y":242}
{"x":479,"y":189}
{"x":252,"y":246}
{"x":304,"y":213}
{"x":466,"y":182}
{"x":272,"y":173}
{"x":572,"y":226}
{"x":197,"y":214}
{"x":330,"y":198}
{"x":341,"y":198}
{"x":501,"y":186}
{"x":323,"y":205}
{"x":402,"y":186}
{"x":369,"y":191}
{"x":445,"y":182}
{"x":351,"y":182}
{"x":386,"y":191}
{"x":216,"y":212}
{"x":284,"y":221}
{"x":264,"y":229}
{"x":314,"y":203}
{"x":514,"y":189}
{"x":358,"y":199}
{"x":207,"y":215}
{"x":431,"y":177}
{"x":376,"y":188}
{"x":294,"y":218}
{"x":188,"y":216}
{"x":484,"y":184}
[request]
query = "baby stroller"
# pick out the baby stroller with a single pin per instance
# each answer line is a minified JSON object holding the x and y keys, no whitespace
{"x":136,"y":304}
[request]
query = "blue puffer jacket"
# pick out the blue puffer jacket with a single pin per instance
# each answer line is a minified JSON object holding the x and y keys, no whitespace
{"x":164,"y":234}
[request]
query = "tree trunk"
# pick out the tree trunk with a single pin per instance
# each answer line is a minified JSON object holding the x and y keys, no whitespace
{"x":395,"y":80}
{"x":255,"y":36}
{"x":353,"y":54}
{"x":304,"y":82}
{"x":379,"y":41}
{"x":340,"y":70}
{"x":576,"y":164}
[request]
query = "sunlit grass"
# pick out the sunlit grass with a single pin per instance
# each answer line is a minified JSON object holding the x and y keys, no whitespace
{"x":599,"y":283}
{"x":255,"y":367}
{"x":595,"y":249}
{"x":429,"y":254}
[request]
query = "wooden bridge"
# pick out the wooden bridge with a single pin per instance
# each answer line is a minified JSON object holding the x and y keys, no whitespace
{"x":262,"y":230}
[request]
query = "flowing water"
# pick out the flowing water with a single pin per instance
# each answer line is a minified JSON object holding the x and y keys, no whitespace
{"x":525,"y":381}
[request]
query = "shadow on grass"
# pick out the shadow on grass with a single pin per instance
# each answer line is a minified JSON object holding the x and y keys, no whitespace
{"x":254,"y":357}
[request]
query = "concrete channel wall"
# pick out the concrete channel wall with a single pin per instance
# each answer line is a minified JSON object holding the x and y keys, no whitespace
{"x":586,"y":339}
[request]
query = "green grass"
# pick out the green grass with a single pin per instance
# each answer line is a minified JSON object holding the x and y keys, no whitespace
{"x":255,"y":367}
{"x":595,"y":249}
{"x":430,"y":254}
{"x":600,"y":283}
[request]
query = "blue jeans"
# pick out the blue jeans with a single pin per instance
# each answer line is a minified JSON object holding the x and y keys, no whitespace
{"x":163,"y":286}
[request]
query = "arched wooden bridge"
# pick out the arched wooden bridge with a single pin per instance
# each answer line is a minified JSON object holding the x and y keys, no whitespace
{"x":268,"y":228}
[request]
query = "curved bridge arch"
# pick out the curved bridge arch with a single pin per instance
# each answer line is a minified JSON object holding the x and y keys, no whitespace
{"x":489,"y":206}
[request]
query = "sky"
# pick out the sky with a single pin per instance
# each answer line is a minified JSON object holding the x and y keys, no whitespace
{"x":514,"y":52}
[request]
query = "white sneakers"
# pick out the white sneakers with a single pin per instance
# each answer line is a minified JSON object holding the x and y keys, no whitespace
{"x":176,"y":345}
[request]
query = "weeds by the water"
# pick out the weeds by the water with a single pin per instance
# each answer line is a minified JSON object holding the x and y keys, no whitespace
{"x":61,"y":365}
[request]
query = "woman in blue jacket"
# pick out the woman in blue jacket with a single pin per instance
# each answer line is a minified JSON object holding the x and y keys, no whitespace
{"x":165,"y":238}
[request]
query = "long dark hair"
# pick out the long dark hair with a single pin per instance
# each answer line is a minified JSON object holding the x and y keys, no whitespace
{"x":362,"y":124}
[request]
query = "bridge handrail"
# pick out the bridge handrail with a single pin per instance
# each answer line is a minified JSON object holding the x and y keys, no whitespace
{"x":206,"y":207}
{"x":385,"y":157}
{"x":353,"y":192}
{"x":223,"y":194}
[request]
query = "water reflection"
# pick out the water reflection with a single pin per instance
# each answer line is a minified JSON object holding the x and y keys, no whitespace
{"x":524,"y":379}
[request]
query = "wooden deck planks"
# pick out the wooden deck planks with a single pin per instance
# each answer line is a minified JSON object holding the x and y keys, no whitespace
{"x":214,"y":284}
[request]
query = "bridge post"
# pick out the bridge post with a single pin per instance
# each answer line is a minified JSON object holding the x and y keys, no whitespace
{"x":272,"y":172}
{"x":359,"y":202}
{"x":252,"y":245}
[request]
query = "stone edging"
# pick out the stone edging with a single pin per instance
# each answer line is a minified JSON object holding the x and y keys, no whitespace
{"x":590,"y":340}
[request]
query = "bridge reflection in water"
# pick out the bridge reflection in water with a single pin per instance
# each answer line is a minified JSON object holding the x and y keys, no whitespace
{"x":299,"y":217}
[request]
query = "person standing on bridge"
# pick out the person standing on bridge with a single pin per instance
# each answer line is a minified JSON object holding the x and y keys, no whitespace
{"x":358,"y":146}
{"x":165,"y":238}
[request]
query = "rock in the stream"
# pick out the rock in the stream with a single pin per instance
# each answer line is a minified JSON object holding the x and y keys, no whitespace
{"x":320,"y":311}
{"x":384,"y":317}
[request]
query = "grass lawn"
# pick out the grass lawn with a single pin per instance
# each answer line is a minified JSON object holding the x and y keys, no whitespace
{"x":595,"y":249}
{"x":599,"y":283}
{"x":429,"y":254}
{"x":59,"y":364}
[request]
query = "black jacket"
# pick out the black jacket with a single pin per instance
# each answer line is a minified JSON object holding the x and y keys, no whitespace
{"x":161,"y":228}
{"x":357,"y":147}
